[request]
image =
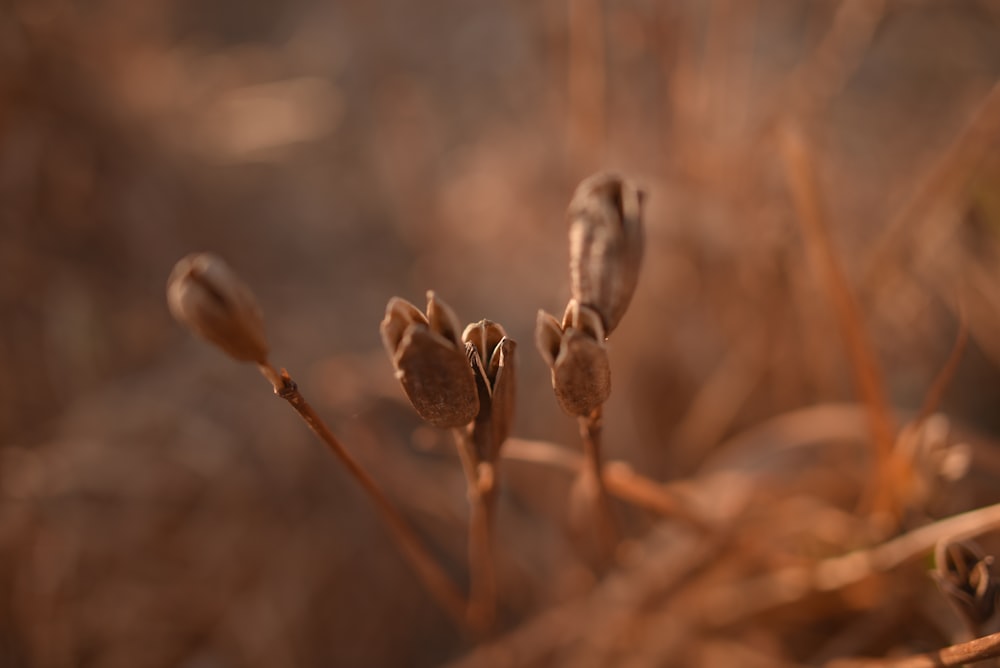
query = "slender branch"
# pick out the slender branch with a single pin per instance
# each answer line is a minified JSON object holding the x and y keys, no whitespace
{"x":437,"y":582}
{"x":987,"y":647}
{"x":944,"y":377}
{"x":590,"y":434}
{"x":620,"y":480}
{"x":738,"y":601}
{"x":479,"y":478}
{"x":946,"y":177}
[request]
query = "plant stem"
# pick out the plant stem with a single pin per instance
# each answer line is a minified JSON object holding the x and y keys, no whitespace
{"x":987,"y":647}
{"x":607,"y":528}
{"x":481,"y":484}
{"x":620,"y":480}
{"x":437,"y":582}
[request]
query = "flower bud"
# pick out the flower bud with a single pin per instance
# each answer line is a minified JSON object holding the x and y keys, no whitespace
{"x":575,"y":351}
{"x":606,"y":245}
{"x":431,"y":361}
{"x":491,"y":355}
{"x":206,"y":296}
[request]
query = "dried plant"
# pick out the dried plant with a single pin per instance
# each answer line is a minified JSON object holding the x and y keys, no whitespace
{"x":964,"y":573}
{"x":431,"y":361}
{"x":576,"y":352}
{"x":467,"y":384}
{"x":605,"y":245}
{"x":206,"y":296}
{"x":605,"y":248}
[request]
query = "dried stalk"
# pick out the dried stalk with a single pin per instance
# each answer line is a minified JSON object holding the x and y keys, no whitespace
{"x":945,"y":178}
{"x":987,"y":647}
{"x":593,"y":472}
{"x":741,"y":600}
{"x":437,"y":582}
{"x":812,"y":217}
{"x":620,"y":480}
{"x":480,"y":481}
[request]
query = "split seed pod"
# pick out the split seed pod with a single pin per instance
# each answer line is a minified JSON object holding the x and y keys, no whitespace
{"x":207,"y":297}
{"x":964,"y":574}
{"x":606,"y":244}
{"x":491,"y":356}
{"x":431,"y":361}
{"x":575,"y":351}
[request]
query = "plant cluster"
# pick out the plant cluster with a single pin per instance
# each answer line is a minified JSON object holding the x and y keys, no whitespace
{"x":464,"y":378}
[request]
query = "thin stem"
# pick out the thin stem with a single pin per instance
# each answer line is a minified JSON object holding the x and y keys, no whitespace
{"x":590,"y":434}
{"x":437,"y":582}
{"x":620,"y":480}
{"x":790,"y":584}
{"x":987,"y":647}
{"x":803,"y":181}
{"x":480,"y":481}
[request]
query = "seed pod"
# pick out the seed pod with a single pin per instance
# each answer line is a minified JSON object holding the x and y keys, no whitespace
{"x":575,"y":351}
{"x":431,"y":361}
{"x":606,"y":245}
{"x":964,"y":574}
{"x":206,"y":296}
{"x":491,"y":355}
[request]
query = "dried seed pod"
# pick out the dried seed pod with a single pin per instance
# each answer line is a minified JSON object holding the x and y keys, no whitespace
{"x":606,"y":244}
{"x":964,"y":574}
{"x":575,"y":351}
{"x":431,"y":361}
{"x":206,"y":296}
{"x":491,"y":355}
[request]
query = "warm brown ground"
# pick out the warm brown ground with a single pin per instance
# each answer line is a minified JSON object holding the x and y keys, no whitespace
{"x":158,"y":507}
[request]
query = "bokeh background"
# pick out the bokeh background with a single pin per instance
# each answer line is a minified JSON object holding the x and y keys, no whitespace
{"x":158,"y":507}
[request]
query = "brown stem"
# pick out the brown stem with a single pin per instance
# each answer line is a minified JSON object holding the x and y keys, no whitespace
{"x":480,"y":480}
{"x":437,"y":582}
{"x":590,"y":433}
{"x":621,"y":481}
{"x":987,"y":647}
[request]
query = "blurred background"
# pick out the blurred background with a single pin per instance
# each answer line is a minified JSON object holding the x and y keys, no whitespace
{"x":158,"y":507}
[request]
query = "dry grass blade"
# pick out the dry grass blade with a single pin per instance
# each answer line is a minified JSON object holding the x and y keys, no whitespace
{"x":947,"y":175}
{"x":800,"y":171}
{"x":735,"y":602}
{"x":944,"y":377}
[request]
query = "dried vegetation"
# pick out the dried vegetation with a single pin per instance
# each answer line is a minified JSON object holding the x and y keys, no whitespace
{"x":763,"y":431}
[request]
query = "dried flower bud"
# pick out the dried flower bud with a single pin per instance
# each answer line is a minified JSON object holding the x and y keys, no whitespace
{"x":606,"y":244}
{"x":575,"y":351}
{"x":431,"y":361}
{"x":491,"y":355}
{"x":206,"y":296}
{"x":964,"y":575}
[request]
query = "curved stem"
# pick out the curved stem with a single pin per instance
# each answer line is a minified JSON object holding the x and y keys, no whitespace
{"x":437,"y":582}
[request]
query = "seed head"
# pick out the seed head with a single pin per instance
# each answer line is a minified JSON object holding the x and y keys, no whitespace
{"x":491,"y":356}
{"x":206,"y":296}
{"x":576,"y":353}
{"x":431,"y":361}
{"x":606,"y":245}
{"x":964,"y":575}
